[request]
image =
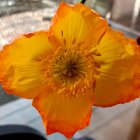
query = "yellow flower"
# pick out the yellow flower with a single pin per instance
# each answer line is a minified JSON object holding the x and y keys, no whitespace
{"x":78,"y":63}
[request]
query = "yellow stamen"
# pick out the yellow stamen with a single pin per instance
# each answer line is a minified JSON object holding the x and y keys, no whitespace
{"x":68,"y":66}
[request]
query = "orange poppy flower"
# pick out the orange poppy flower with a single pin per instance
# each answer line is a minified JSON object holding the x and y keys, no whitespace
{"x":78,"y":63}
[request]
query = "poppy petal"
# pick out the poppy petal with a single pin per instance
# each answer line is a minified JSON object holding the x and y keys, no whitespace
{"x":77,"y":25}
{"x":119,"y":79}
{"x":64,"y":114}
{"x":20,"y":71}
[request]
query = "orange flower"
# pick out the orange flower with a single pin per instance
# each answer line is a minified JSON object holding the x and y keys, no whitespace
{"x":78,"y":63}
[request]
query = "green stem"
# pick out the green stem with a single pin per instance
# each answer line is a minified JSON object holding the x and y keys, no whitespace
{"x":83,"y":1}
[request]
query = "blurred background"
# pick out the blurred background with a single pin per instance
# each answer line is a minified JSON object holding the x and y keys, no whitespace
{"x":121,"y":122}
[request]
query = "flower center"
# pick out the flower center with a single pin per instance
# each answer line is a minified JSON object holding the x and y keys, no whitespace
{"x":70,"y":71}
{"x":69,"y":67}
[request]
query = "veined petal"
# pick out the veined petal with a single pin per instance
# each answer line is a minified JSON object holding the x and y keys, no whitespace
{"x":20,"y":71}
{"x":78,"y":25}
{"x":119,"y":79}
{"x":64,"y":114}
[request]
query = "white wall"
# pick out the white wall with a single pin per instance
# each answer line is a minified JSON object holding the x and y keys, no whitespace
{"x":122,"y":8}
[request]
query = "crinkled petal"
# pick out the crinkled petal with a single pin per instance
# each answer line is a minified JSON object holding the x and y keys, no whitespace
{"x":119,"y":79}
{"x":64,"y":114}
{"x":78,"y":25}
{"x":20,"y":71}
